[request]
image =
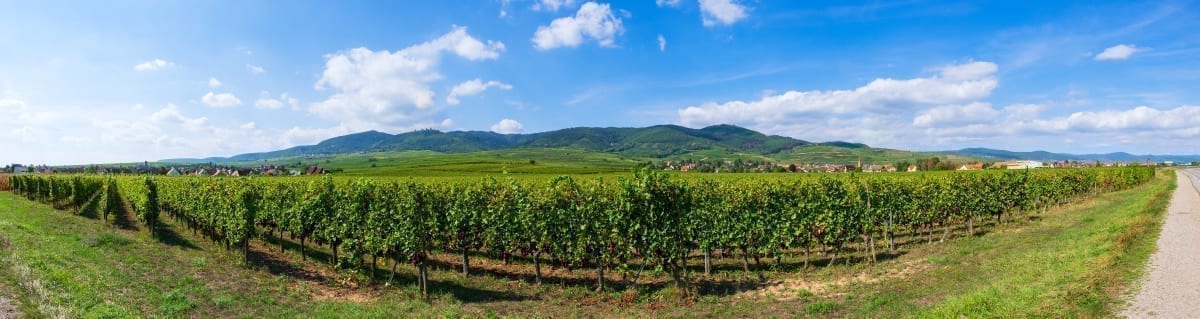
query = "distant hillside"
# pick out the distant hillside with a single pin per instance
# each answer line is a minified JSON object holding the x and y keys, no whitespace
{"x":661,"y":142}
{"x":649,"y":142}
{"x":1045,"y":156}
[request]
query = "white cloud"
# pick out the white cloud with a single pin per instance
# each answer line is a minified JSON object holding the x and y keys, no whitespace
{"x":880,"y":95}
{"x":11,"y":105}
{"x":967,"y":71}
{"x":871,"y":113}
{"x":667,"y":3}
{"x":248,"y":126}
{"x":662,"y":43}
{"x":255,"y":69}
{"x":1118,"y":52}
{"x":473,"y":87}
{"x":220,"y":100}
{"x":382,"y":88}
{"x":956,"y":115}
{"x":213,"y":83}
{"x":152,"y":65}
{"x":595,"y":21}
{"x":266,"y":101}
{"x":507,"y":126}
{"x":724,"y":12}
{"x":1138,"y":119}
{"x":552,"y":5}
{"x":172,"y":115}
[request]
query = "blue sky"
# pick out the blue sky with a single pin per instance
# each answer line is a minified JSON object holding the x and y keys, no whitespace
{"x":114,"y":81}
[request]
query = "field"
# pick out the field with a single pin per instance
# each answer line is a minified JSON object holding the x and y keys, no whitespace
{"x":846,"y":155}
{"x":80,"y":265}
{"x":556,"y":161}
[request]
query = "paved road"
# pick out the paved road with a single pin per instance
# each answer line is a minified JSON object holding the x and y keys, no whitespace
{"x":1171,"y":288}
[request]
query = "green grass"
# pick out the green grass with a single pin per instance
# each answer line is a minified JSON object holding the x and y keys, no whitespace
{"x":556,"y":161}
{"x":75,"y":267}
{"x":428,"y":163}
{"x":1071,"y":262}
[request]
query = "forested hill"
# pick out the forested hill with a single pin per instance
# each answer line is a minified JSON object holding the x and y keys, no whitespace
{"x":648,"y":142}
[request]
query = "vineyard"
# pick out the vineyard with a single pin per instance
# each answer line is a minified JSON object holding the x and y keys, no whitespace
{"x":607,"y":225}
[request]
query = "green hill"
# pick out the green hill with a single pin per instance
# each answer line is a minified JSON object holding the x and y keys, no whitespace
{"x":601,"y":146}
{"x":661,"y":141}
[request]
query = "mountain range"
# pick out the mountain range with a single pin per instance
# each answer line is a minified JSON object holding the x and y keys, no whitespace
{"x":660,"y":141}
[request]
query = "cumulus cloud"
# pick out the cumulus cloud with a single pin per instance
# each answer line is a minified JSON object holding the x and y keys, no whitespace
{"x":213,"y":83}
{"x":1118,"y":52}
{"x":473,"y":87}
{"x":507,"y":126}
{"x":595,"y":21}
{"x":662,"y":43}
{"x":952,"y":86}
{"x":1141,"y":118}
{"x":220,"y":100}
{"x":552,"y":5}
{"x":152,"y":65}
{"x":383,"y":88}
{"x":172,"y":115}
{"x":870,"y":113}
{"x":977,"y":112}
{"x":722,"y":12}
{"x":268,"y":103}
{"x":255,"y":69}
{"x":11,"y":104}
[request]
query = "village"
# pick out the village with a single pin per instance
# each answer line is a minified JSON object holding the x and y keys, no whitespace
{"x":146,"y":168}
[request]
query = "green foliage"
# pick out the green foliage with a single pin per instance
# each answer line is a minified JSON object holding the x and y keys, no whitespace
{"x":650,"y":216}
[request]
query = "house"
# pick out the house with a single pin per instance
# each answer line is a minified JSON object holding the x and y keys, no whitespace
{"x":201,"y":172}
{"x":912,"y":168}
{"x":971,"y":167}
{"x":872,"y":169}
{"x":173,"y":172}
{"x":314,"y":170}
{"x":101,"y":170}
{"x":687,"y":167}
{"x":18,"y":168}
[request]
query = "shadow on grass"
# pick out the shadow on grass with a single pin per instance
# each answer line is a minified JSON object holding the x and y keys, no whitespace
{"x":280,"y":266}
{"x":124,"y":218}
{"x":166,"y":234}
{"x":91,"y":208}
{"x":312,"y":252}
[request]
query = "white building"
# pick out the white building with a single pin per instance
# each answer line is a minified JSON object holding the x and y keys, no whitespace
{"x":1025,"y":164}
